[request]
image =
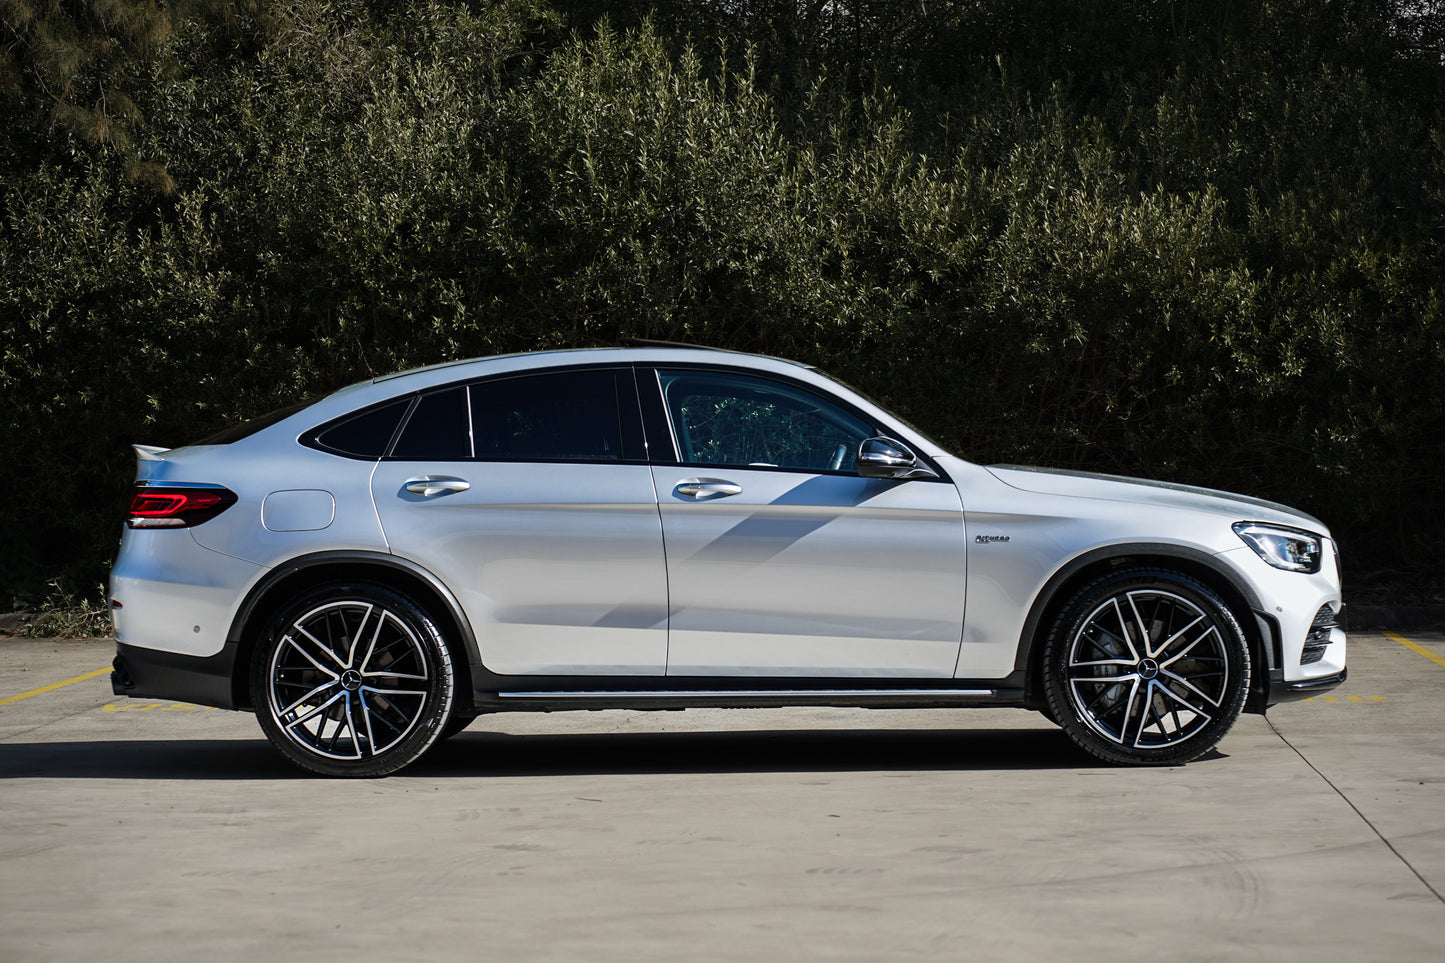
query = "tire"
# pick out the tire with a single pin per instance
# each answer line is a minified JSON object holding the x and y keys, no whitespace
{"x":1146,"y":667}
{"x":352,"y":679}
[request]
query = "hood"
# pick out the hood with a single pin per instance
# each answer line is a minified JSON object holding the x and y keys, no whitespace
{"x":1080,"y":484}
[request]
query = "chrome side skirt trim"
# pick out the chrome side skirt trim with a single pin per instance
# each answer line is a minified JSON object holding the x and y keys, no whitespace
{"x":703,"y":694}
{"x":554,"y":699}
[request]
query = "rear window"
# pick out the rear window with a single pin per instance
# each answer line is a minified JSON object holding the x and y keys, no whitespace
{"x":568,"y":416}
{"x":560,"y":416}
{"x":439,"y":429}
{"x":246,"y":429}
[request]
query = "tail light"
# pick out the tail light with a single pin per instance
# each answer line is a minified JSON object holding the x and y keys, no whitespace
{"x":177,"y":506}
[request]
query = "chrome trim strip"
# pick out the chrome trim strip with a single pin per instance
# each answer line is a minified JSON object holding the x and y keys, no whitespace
{"x":746,"y":693}
{"x":167,"y":483}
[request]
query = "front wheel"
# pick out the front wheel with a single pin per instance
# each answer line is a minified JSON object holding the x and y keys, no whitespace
{"x":1146,"y":667}
{"x":352,"y":680}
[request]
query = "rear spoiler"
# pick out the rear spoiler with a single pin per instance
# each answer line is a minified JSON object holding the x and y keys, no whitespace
{"x":149,"y":452}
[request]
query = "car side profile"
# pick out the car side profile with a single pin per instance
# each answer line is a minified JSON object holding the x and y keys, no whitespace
{"x":663,"y":527}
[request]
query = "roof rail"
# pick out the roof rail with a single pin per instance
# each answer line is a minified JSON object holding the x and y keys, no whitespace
{"x":653,"y":343}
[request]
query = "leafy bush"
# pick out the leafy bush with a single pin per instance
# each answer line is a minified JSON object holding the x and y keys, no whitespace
{"x":1187,"y":241}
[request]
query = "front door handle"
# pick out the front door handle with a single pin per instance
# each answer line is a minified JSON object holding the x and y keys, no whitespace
{"x":704,"y":488}
{"x":426,"y":486}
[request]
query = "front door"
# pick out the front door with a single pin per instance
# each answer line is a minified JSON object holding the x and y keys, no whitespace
{"x":781,"y":560}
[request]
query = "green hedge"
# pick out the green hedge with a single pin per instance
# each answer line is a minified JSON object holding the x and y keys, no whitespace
{"x":1101,"y":241}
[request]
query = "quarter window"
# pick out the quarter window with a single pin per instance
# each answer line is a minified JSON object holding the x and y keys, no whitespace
{"x":366,"y":435}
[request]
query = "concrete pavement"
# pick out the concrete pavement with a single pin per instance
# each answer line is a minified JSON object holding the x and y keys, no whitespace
{"x":136,"y":829}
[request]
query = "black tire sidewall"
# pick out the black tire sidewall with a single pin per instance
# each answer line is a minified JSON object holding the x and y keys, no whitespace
{"x":441,"y":691}
{"x":1079,"y":608}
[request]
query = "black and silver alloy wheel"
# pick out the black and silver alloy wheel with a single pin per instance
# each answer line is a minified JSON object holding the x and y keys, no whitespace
{"x":352,"y":680}
{"x":1146,"y":667}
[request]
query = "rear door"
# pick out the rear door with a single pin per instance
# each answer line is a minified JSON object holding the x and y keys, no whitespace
{"x":781,"y":560}
{"x":530,"y":497}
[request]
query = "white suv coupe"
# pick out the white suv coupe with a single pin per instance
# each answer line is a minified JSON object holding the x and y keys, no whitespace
{"x":662,"y":527}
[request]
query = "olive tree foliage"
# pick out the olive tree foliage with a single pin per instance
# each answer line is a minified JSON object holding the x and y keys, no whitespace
{"x":77,"y":68}
{"x":1187,"y":240}
{"x":69,"y":65}
{"x":316,"y":160}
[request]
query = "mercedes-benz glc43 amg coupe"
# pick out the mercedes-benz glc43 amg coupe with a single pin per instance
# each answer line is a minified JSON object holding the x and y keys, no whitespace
{"x":660,"y":528}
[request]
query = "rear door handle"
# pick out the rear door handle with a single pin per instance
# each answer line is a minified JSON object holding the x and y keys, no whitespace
{"x":427,"y":485}
{"x":704,"y":488}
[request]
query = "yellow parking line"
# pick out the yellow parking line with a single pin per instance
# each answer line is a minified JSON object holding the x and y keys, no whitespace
{"x":35,"y":692}
{"x":1437,"y":659}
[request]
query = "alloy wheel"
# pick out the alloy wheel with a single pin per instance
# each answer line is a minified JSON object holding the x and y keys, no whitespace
{"x":1147,"y":669}
{"x":348,"y":680}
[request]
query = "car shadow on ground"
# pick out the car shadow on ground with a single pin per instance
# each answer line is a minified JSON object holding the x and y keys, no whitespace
{"x":482,"y":753}
{"x":777,"y":750}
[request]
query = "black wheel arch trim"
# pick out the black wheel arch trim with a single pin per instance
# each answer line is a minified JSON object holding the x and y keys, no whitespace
{"x":1048,"y":599}
{"x":302,"y":563}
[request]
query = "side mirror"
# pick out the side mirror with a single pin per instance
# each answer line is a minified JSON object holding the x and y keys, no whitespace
{"x":890,"y":458}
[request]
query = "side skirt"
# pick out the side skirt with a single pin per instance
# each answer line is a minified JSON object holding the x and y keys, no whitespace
{"x":561,"y":694}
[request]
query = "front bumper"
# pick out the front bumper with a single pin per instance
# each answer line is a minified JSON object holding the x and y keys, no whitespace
{"x":1282,"y":691}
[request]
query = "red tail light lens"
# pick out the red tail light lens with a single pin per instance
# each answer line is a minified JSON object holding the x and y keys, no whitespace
{"x":178,"y":507}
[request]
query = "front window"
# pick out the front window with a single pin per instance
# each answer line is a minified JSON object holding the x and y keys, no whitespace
{"x":741,"y":421}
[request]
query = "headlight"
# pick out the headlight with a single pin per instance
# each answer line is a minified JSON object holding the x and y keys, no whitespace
{"x":1286,"y":548}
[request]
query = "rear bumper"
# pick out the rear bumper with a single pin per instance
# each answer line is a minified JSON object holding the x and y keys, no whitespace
{"x":153,"y":674}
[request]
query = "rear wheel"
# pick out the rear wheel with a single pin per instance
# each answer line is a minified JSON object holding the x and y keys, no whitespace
{"x":1146,"y":667}
{"x":352,"y":680}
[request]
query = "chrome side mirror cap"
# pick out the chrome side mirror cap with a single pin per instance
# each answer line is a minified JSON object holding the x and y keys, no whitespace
{"x":890,"y":458}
